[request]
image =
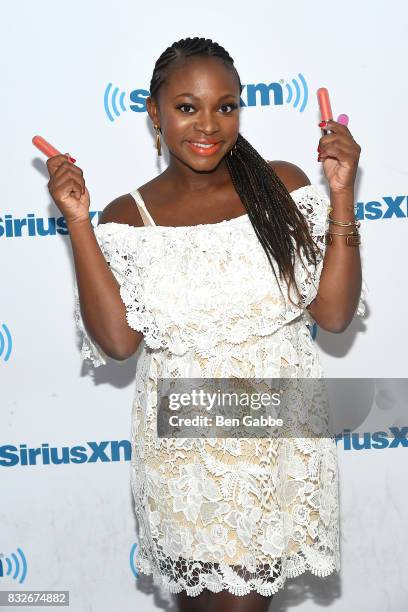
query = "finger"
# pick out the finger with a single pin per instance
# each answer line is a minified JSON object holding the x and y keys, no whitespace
{"x":340,"y":153}
{"x":55,"y":162}
{"x":345,"y":139}
{"x":71,"y":159}
{"x":69,"y":185}
{"x":67,"y":168}
{"x":334,"y":127}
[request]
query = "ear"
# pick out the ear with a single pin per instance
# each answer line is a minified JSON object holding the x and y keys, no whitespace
{"x":153,"y":110}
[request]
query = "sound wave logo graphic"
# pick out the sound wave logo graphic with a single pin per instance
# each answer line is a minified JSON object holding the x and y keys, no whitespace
{"x":294,"y":92}
{"x":16,"y":566}
{"x":110,"y":101}
{"x":132,"y":560}
{"x":6,"y":342}
{"x":297,"y":92}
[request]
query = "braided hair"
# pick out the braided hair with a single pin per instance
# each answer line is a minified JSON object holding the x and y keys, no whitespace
{"x":277,"y":221}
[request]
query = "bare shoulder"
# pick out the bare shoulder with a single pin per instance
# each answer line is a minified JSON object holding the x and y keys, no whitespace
{"x":290,"y":175}
{"x":122,"y":210}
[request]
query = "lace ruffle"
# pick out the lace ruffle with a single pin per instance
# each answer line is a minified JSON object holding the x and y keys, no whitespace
{"x":197,"y":287}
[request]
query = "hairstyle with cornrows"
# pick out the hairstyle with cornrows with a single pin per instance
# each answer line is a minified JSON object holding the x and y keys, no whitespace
{"x":277,"y":221}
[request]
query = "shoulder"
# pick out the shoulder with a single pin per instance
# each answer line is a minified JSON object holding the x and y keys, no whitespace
{"x":121,"y":210}
{"x":290,"y":175}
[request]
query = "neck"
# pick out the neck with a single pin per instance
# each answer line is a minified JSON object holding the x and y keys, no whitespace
{"x":186,"y":179}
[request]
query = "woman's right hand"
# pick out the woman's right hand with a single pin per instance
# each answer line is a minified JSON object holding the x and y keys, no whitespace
{"x":67,"y":189}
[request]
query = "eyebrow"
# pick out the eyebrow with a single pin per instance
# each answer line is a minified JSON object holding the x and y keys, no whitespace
{"x":191,"y":95}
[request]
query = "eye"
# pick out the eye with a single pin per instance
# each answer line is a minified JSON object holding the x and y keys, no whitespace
{"x":232,"y":106}
{"x":184,"y":106}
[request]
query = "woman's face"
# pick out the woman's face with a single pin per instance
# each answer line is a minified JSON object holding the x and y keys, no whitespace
{"x":198,"y":104}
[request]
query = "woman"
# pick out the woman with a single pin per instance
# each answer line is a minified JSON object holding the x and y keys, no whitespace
{"x":219,"y":268}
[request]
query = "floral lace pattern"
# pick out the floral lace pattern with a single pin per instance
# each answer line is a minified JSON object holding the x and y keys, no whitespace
{"x":240,"y":514}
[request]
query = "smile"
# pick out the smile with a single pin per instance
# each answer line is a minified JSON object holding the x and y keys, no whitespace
{"x":204,"y":148}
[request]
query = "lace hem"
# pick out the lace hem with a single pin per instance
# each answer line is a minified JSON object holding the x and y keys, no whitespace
{"x":195,"y":576}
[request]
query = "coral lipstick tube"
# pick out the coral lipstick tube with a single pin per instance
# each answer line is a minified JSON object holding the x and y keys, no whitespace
{"x":325,"y":106}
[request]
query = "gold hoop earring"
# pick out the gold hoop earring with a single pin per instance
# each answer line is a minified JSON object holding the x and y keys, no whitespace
{"x":158,"y":140}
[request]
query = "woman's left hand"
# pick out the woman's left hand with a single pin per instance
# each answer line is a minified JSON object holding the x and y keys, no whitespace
{"x":340,"y":154}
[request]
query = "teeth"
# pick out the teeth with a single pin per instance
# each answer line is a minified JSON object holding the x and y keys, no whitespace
{"x":204,"y":146}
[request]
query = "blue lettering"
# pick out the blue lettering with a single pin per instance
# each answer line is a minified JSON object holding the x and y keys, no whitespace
{"x":23,"y":454}
{"x":115,"y":450}
{"x":120,"y":450}
{"x":138,"y":96}
{"x":62,"y":224}
{"x":264,"y":91}
{"x":32,"y":455}
{"x":394,"y":206}
{"x":50,"y":231}
{"x":31,"y":224}
{"x":98,"y":452}
{"x":78,"y":454}
{"x":357,"y":445}
{"x":373,"y":210}
{"x":399,"y":436}
{"x":345,"y":436}
{"x":379,"y":439}
{"x":8,"y":455}
{"x":241,"y":102}
{"x":54,"y":455}
{"x":359,"y":210}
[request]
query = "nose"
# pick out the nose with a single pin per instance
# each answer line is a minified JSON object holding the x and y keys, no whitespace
{"x":206,"y":122}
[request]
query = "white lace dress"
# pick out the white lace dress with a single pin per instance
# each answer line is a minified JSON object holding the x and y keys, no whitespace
{"x":237,"y":514}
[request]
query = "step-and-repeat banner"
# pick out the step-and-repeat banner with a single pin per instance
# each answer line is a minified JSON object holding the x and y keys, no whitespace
{"x":79,"y":74}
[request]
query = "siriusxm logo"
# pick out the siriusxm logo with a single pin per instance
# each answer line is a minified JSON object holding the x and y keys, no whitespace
{"x":386,"y":208}
{"x":13,"y":566}
{"x":105,"y":452}
{"x":377,"y":440}
{"x":132,"y":560}
{"x":6,"y":343}
{"x":31,"y":225}
{"x":313,"y":330}
{"x":293,"y":92}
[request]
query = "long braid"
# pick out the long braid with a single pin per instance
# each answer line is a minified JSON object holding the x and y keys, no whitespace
{"x":277,"y":221}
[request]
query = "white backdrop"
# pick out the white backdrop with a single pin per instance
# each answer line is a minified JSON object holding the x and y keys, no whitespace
{"x":71,"y":525}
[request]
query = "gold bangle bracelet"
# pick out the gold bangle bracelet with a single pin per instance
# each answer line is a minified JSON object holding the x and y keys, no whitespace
{"x":352,"y":239}
{"x":344,"y":223}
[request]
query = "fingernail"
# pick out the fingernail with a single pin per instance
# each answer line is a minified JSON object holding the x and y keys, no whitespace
{"x":319,"y":158}
{"x":71,"y":159}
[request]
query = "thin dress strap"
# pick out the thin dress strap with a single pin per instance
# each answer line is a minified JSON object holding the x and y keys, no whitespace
{"x":144,"y":213}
